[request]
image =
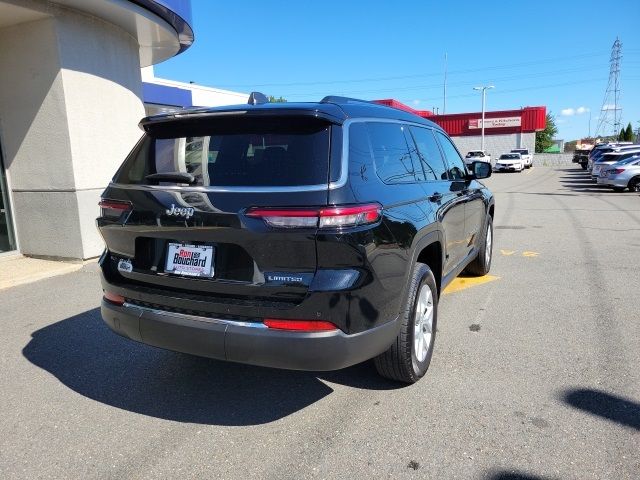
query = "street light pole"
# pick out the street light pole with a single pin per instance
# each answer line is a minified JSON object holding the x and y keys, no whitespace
{"x":484,"y":93}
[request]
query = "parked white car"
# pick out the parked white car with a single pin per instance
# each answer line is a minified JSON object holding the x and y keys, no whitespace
{"x":509,"y":162}
{"x":526,"y":156}
{"x":477,"y":156}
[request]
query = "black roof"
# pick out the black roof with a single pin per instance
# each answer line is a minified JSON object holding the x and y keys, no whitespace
{"x":334,"y":109}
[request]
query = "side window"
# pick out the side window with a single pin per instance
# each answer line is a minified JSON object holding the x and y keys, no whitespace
{"x":391,"y":153}
{"x":457,"y":170}
{"x":429,"y":154}
{"x":359,"y":149}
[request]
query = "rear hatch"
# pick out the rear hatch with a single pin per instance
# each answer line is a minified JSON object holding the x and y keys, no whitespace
{"x":175,"y":220}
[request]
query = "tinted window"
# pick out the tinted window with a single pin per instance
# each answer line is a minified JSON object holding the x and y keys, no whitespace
{"x":236,"y":152}
{"x":391,"y":153}
{"x":457,"y":169}
{"x":429,"y":154}
{"x":359,"y":149}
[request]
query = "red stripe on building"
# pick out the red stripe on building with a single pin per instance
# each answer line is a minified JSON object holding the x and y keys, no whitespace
{"x":532,"y":119}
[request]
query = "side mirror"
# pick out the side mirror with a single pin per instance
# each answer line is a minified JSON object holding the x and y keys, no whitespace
{"x":481,"y":169}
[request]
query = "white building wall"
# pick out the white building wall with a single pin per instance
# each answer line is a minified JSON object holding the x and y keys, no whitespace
{"x":496,"y":144}
{"x":70,"y":101}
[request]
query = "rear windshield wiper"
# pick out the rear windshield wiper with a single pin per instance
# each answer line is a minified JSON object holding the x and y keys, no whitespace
{"x":178,"y":177}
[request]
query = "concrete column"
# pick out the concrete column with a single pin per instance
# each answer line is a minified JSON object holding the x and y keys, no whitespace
{"x":70,"y":101}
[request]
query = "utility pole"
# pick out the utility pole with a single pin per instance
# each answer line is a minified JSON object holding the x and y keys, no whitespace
{"x":484,"y":94}
{"x":444,"y":96}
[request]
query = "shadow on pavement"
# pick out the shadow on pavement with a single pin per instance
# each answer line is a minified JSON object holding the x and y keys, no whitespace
{"x":513,"y":475}
{"x":612,"y":407}
{"x":580,"y":181}
{"x":90,"y":359}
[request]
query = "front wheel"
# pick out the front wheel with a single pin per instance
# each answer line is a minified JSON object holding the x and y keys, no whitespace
{"x":408,"y":358}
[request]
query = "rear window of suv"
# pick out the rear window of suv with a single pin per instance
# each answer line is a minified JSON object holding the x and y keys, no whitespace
{"x":241,"y":152}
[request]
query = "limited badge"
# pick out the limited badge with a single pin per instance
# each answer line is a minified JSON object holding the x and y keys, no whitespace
{"x":124,"y":265}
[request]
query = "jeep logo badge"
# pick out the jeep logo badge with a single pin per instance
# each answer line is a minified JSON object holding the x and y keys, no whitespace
{"x":186,"y":212}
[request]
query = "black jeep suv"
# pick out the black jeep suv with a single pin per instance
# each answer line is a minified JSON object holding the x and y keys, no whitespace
{"x":306,"y":236}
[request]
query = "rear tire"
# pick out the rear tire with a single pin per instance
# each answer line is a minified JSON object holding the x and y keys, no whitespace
{"x":584,"y":166}
{"x":482,"y":263}
{"x":408,"y":358}
{"x":634,"y":184}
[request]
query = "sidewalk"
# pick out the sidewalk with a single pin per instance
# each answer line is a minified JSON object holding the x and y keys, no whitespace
{"x":19,"y":270}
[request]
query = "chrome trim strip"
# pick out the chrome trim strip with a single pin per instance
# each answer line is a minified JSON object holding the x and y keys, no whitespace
{"x":237,"y":323}
{"x":158,"y":188}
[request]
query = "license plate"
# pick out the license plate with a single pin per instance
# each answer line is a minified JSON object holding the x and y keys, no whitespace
{"x":190,"y":260}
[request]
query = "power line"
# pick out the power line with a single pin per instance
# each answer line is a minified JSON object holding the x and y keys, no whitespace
{"x":456,"y":84}
{"x":537,"y":87}
{"x":405,"y":77}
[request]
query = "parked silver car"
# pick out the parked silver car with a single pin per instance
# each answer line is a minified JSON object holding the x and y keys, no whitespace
{"x":600,"y":150}
{"x":608,"y":159}
{"x":624,"y":174}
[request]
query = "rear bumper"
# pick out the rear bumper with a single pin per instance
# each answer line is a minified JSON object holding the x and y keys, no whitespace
{"x":247,"y":342}
{"x":617,"y":182}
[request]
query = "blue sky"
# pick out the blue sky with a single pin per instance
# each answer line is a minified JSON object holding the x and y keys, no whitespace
{"x":535,"y":53}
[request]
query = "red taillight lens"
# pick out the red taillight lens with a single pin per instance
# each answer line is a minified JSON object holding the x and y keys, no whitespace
{"x":326,"y":217}
{"x":113,"y":298}
{"x":616,"y":171}
{"x":299,"y":325}
{"x":113,"y":208}
{"x":349,"y":216}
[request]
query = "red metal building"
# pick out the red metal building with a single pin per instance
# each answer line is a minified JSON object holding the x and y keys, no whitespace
{"x":524,"y":120}
{"x":503,"y":129}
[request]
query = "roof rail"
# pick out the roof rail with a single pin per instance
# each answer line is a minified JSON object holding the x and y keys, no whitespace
{"x":257,"y":98}
{"x":341,"y":100}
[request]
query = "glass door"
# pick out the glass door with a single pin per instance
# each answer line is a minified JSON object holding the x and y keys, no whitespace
{"x":7,"y":241}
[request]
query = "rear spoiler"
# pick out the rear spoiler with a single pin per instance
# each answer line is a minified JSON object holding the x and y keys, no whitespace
{"x":202,"y":114}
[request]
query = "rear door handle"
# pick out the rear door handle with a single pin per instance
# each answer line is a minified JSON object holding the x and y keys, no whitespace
{"x":436,"y":197}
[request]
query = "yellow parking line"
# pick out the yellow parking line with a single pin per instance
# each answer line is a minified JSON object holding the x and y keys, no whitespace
{"x":462,"y":283}
{"x":529,"y":171}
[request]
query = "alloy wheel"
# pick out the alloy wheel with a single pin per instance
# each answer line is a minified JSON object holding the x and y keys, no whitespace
{"x":423,"y":327}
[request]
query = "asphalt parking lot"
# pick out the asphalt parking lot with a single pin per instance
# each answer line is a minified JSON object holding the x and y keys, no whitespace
{"x":535,"y":373}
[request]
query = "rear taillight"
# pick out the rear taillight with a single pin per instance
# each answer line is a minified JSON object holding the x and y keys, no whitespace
{"x":113,"y":298}
{"x":616,"y":171}
{"x":299,"y":325}
{"x":113,"y":208}
{"x":325,"y":217}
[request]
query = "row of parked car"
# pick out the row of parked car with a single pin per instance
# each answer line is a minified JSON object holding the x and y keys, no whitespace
{"x":515,"y":161}
{"x":614,"y":165}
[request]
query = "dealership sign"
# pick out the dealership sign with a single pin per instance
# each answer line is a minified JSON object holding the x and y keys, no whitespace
{"x":505,"y":122}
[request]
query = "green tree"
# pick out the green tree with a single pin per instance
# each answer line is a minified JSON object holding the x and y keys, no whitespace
{"x":628,"y":133}
{"x":544,"y":138}
{"x":621,"y":135}
{"x":273,"y":99}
